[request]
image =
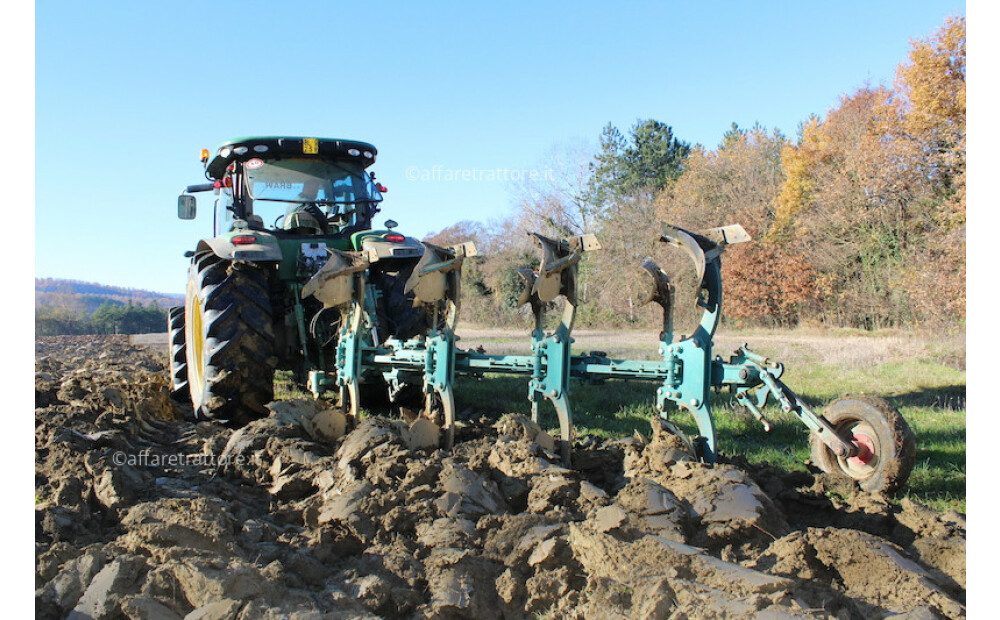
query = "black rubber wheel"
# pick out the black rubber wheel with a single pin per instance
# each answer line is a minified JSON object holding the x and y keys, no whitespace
{"x":396,"y":314}
{"x":178,"y":355}
{"x":887,"y":445}
{"x":229,"y":340}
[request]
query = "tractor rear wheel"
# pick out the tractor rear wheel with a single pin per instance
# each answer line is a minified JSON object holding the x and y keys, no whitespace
{"x":887,"y":446}
{"x":178,"y":355}
{"x":229,"y":340}
{"x":397,"y":315}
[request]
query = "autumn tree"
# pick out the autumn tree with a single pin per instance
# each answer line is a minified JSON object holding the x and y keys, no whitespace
{"x":848,"y":204}
{"x":931,"y":90}
{"x":859,"y":220}
{"x":735,"y":184}
{"x":767,"y":284}
{"x":931,"y":115}
{"x":875,"y":193}
{"x":628,"y":235}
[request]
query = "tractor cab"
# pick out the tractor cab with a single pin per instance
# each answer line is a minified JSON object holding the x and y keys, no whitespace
{"x":291,"y":186}
{"x":307,"y":196}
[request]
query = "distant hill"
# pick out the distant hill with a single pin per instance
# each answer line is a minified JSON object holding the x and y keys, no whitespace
{"x":88,"y":296}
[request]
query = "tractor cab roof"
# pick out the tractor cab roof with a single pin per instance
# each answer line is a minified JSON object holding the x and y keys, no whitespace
{"x":273,"y":147}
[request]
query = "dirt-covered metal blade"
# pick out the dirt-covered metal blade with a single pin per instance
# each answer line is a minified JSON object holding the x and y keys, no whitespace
{"x":726,"y":235}
{"x":333,"y":284}
{"x":678,"y":237}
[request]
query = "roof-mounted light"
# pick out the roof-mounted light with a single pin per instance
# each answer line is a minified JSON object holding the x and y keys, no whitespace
{"x":260,"y":148}
{"x":240,"y":150}
{"x":353,"y":152}
{"x":204,"y":155}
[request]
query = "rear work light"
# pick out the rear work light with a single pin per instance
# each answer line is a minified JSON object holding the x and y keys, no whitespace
{"x":394,"y":237}
{"x":243,"y":239}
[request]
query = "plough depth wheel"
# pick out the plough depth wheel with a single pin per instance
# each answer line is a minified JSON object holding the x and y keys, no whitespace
{"x":886,"y":445}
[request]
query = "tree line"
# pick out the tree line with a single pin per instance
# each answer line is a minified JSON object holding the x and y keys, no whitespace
{"x":108,"y":318}
{"x":858,"y":221}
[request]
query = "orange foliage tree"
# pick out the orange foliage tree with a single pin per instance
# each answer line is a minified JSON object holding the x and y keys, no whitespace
{"x":874,"y":193}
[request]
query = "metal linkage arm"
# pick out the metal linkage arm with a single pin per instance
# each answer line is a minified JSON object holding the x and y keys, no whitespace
{"x":760,"y":375}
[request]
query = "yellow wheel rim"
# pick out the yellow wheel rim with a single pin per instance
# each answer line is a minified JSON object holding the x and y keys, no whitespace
{"x":195,"y":348}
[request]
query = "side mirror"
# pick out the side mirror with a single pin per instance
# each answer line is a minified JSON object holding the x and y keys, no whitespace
{"x":187,"y":206}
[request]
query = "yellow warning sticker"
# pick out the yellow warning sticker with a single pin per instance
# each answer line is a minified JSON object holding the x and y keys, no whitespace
{"x":310,"y":146}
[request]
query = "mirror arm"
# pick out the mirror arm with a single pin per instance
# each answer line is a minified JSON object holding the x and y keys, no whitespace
{"x":201,"y":187}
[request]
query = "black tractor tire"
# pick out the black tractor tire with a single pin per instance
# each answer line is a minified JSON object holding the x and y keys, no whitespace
{"x":229,"y":340}
{"x":178,"y":355}
{"x":888,"y":445}
{"x":396,"y":314}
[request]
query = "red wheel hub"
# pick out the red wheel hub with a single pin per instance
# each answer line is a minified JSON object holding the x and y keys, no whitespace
{"x":866,"y":449}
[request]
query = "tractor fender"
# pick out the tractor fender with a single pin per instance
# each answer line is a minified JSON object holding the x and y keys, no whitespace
{"x":264,"y":248}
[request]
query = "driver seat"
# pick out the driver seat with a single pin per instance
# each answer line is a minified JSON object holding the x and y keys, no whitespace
{"x":301,"y":223}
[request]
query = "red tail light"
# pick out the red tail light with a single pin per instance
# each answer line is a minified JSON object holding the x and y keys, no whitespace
{"x":395,"y":237}
{"x":243,"y":239}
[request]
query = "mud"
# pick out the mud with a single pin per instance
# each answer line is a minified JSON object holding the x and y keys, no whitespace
{"x":141,"y":514}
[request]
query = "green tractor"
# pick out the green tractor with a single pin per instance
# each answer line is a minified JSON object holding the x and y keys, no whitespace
{"x":283,"y":205}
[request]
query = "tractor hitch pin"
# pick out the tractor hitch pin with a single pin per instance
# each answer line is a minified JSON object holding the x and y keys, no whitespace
{"x":752,"y":408}
{"x":786,"y":404}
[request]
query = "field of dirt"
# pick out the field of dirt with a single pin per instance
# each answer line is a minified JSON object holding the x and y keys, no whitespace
{"x":141,"y":514}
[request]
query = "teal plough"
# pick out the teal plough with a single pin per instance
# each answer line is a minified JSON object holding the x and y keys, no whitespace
{"x":684,"y":376}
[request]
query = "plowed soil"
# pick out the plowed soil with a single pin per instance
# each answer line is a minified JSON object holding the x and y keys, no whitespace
{"x":141,"y":514}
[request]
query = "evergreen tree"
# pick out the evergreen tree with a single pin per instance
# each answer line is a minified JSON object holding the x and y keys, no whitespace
{"x":640,"y":166}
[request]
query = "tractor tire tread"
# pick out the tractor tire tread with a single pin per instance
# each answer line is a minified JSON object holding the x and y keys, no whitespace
{"x":239,"y":360}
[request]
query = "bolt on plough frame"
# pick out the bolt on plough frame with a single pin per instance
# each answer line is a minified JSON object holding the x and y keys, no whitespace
{"x":685,"y":376}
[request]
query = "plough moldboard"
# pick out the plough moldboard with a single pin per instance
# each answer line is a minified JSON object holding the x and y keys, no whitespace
{"x":684,"y":376}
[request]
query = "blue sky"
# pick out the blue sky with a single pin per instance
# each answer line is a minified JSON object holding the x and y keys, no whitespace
{"x":126,"y":95}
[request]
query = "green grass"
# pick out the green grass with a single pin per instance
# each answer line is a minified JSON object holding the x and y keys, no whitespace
{"x":285,"y":387}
